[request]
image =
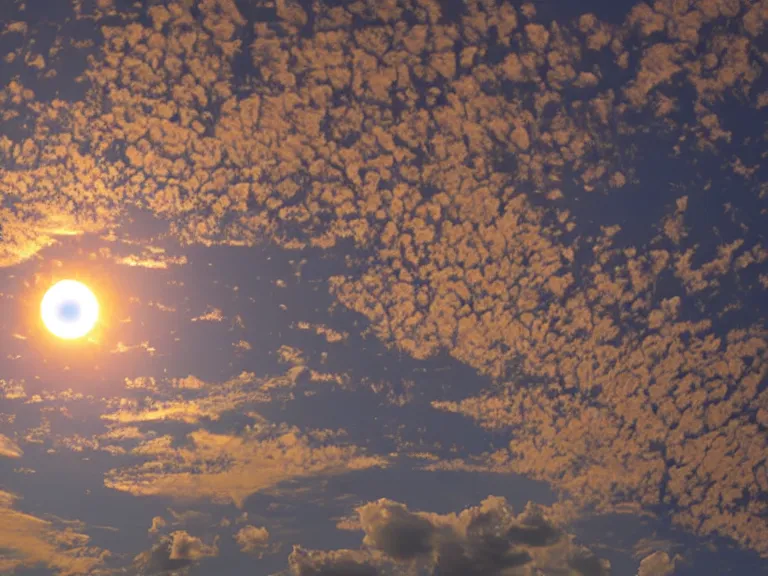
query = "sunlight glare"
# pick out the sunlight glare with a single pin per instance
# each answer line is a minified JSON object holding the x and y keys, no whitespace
{"x":69,"y":309}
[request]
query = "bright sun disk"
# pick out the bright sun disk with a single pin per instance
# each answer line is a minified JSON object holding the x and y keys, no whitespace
{"x":69,"y":309}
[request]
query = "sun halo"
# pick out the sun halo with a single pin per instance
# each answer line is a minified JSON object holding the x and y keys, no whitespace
{"x":69,"y":309}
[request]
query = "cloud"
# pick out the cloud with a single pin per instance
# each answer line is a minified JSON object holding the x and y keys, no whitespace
{"x":291,"y":355}
{"x":190,"y":517}
{"x":173,"y":553}
{"x":252,"y":540}
{"x":13,"y":389}
{"x":229,"y":468}
{"x":9,"y":448}
{"x":158,"y":522}
{"x":636,"y":404}
{"x":242,"y":345}
{"x":184,"y":546}
{"x":190,"y":382}
{"x":210,"y":315}
{"x":154,"y":261}
{"x":659,"y":563}
{"x":203,"y":401}
{"x":335,"y":563}
{"x":327,"y":332}
{"x":28,"y":541}
{"x":398,"y":533}
{"x":486,"y":539}
{"x":121,"y":348}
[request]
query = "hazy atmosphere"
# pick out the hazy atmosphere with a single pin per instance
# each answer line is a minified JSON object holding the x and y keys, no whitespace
{"x":383,"y":288}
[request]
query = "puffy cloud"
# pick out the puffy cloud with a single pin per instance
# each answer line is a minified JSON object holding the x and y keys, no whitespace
{"x":210,"y":315}
{"x":659,"y":563}
{"x":327,"y":332}
{"x":190,"y":382}
{"x":658,"y":65}
{"x":173,"y":554}
{"x":335,"y":563}
{"x":158,"y":522}
{"x":391,"y":528}
{"x":12,"y":389}
{"x":252,"y":539}
{"x":537,"y":36}
{"x":242,"y":345}
{"x":186,"y":547}
{"x":486,"y":539}
{"x":291,"y":355}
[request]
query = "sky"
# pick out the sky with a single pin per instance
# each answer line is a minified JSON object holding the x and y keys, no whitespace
{"x":394,"y":287}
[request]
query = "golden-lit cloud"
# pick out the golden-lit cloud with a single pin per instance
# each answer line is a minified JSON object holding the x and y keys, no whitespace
{"x":121,"y":348}
{"x":12,"y":389}
{"x":229,"y":468}
{"x":203,"y":400}
{"x":658,"y":564}
{"x":252,"y":539}
{"x":210,"y":315}
{"x":326,"y":332}
{"x":158,"y":522}
{"x":29,"y":541}
{"x":9,"y":448}
{"x":462,"y":196}
{"x":154,"y":261}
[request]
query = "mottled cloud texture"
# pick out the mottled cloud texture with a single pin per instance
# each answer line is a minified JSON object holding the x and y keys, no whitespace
{"x":470,"y":169}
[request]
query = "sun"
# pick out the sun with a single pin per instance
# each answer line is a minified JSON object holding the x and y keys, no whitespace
{"x":69,"y":309}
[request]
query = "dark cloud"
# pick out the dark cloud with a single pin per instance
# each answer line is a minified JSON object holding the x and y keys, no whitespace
{"x":157,"y":560}
{"x":586,"y":563}
{"x":398,"y":533}
{"x":173,"y":554}
{"x":481,"y":542}
{"x":488,"y":539}
{"x":340,"y":563}
{"x":488,"y":555}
